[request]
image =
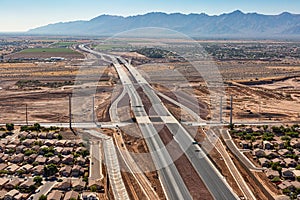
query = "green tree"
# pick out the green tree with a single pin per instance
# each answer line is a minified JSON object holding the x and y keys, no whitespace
{"x":276,"y":179}
{"x":50,"y":170}
{"x":93,"y":188}
{"x":38,"y":179}
{"x":37,"y":127}
{"x":231,"y":126}
{"x":265,"y":127}
{"x":43,"y":197}
{"x":59,"y":137}
{"x":10,"y":127}
{"x":85,"y":153}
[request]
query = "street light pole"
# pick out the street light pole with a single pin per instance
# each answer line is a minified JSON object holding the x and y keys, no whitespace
{"x":93,"y":107}
{"x":231,"y":110}
{"x":221,"y":109}
{"x":26,"y":111}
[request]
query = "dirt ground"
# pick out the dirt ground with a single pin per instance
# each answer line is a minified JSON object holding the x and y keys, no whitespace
{"x":45,"y":55}
{"x":48,"y":100}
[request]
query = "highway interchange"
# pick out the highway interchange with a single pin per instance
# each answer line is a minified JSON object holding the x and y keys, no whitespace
{"x":169,"y":176}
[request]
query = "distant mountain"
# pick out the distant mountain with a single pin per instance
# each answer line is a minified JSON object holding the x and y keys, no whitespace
{"x":235,"y":24}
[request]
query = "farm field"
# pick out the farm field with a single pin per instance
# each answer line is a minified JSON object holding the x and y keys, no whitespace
{"x":45,"y":53}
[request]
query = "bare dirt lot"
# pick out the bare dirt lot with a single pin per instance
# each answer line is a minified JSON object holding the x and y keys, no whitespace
{"x":45,"y":88}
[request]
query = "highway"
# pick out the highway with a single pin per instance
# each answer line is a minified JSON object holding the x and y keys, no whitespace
{"x":169,"y":176}
{"x":212,"y":178}
{"x":134,"y":169}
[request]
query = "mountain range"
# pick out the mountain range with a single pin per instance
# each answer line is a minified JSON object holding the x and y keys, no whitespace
{"x":232,"y":25}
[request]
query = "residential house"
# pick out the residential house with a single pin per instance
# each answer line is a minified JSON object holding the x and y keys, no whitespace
{"x":79,"y":143}
{"x":3,"y":166}
{"x":67,"y":151}
{"x":27,"y":168}
{"x":70,"y":143}
{"x":5,"y":157}
{"x":50,"y":143}
{"x":68,"y":159}
{"x":11,"y":194}
{"x":65,"y":185}
{"x":257,"y":144}
{"x":296,"y":173}
{"x":42,"y":135}
{"x":21,"y":196}
{"x":12,"y":168}
{"x":3,"y":181}
{"x":23,"y":134}
{"x":21,"y":149}
{"x":27,"y":184}
{"x":284,"y":185}
{"x":65,"y":171}
{"x":95,"y":183}
{"x":290,"y":162}
{"x":12,"y":183}
{"x":71,"y":195}
{"x":283,"y":152}
{"x":55,"y":195}
{"x":29,"y":136}
{"x":34,"y":135}
{"x":80,"y":161}
{"x":60,"y":143}
{"x":264,"y":162}
{"x":272,"y":173}
{"x":287,"y":174}
{"x":77,"y":171}
{"x":50,"y":135}
{"x":78,"y":185}
{"x":41,"y":160}
{"x":89,"y":196}
{"x":267,"y":145}
{"x":15,"y":142}
{"x":58,"y":150}
{"x":2,"y":194}
{"x":28,"y":142}
{"x":54,"y":160}
{"x":36,"y":148}
{"x":38,"y":170}
{"x":295,"y":184}
{"x":31,"y":158}
{"x":1,"y":158}
{"x":259,"y":153}
{"x":295,"y":143}
{"x":80,"y":149}
{"x":271,"y":154}
{"x":17,"y":158}
{"x":243,"y":145}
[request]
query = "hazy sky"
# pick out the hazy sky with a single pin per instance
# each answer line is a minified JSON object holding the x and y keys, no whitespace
{"x":21,"y":15}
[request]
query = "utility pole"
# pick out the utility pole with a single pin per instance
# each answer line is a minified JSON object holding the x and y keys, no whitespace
{"x":70,"y":112}
{"x":221,"y":111}
{"x":93,"y":108}
{"x":26,"y":111}
{"x":231,"y":110}
{"x":70,"y":115}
